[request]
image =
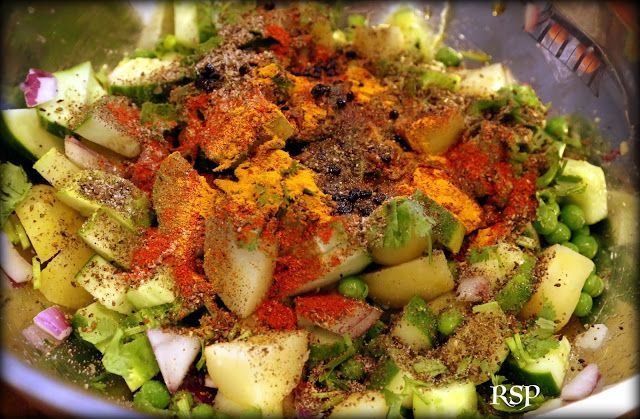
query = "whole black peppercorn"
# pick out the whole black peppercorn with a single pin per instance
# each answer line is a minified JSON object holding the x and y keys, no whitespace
{"x":341,"y":103}
{"x":334,"y":170}
{"x":379,"y":198}
{"x":350,"y":96}
{"x":386,"y":158}
{"x":320,"y":90}
{"x":351,"y":54}
{"x":393,"y":115}
{"x":244,"y":69}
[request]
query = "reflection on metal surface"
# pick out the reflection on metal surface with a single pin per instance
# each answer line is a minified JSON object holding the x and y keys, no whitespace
{"x":570,"y":47}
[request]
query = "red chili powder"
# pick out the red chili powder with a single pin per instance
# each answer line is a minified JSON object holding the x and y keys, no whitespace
{"x":277,"y":315}
{"x":282,"y":36}
{"x":143,"y":171}
{"x":324,"y":308}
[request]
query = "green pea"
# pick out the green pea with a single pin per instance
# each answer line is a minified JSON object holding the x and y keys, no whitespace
{"x":573,"y":217}
{"x":449,"y":57}
{"x":584,"y":231}
{"x":585,"y":303}
{"x":546,"y":221}
{"x":154,"y":393}
{"x":594,"y":285}
{"x":571,"y":246}
{"x":559,"y":235}
{"x":555,"y":207}
{"x":558,"y":127}
{"x":449,"y":321}
{"x":352,"y":369}
{"x":203,"y":411}
{"x":353,"y":287}
{"x":587,"y":245}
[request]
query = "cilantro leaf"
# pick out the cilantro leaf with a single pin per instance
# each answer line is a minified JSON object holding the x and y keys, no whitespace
{"x":14,"y":188}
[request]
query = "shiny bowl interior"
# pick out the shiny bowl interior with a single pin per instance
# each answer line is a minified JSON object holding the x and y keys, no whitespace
{"x":54,"y":35}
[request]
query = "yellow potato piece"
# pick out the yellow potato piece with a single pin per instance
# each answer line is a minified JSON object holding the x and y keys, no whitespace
{"x":565,"y":272}
{"x":396,"y":285}
{"x":50,"y":224}
{"x":57,"y":281}
{"x":259,"y":371}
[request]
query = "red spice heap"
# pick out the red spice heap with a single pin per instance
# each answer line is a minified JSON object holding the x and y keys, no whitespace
{"x":325,"y":308}
{"x":277,"y":315}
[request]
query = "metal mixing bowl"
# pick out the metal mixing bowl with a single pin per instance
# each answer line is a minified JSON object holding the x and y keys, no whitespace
{"x":54,"y":35}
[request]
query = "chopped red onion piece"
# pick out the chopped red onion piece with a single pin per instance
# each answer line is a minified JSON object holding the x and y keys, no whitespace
{"x":473,"y":289}
{"x":13,"y":264}
{"x":39,"y":339}
{"x":174,"y":353}
{"x":582,"y":385}
{"x":39,"y":87}
{"x":354,"y":321}
{"x":53,"y":321}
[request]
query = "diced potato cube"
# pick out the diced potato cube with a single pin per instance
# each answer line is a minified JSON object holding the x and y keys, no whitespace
{"x":50,"y":224}
{"x":435,"y":132}
{"x":259,"y":371}
{"x":58,"y":277}
{"x":426,"y":277}
{"x":564,"y":273}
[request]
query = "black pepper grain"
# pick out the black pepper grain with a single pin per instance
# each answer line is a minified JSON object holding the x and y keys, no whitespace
{"x":334,"y":170}
{"x":350,"y":96}
{"x":393,"y":114}
{"x":320,"y":90}
{"x":341,"y":103}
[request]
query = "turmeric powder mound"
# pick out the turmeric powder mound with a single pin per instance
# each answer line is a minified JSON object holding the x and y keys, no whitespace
{"x":228,"y":126}
{"x":364,"y":84}
{"x":436,"y":184}
{"x":271,"y":180}
{"x":490,"y":235}
{"x":309,"y":115}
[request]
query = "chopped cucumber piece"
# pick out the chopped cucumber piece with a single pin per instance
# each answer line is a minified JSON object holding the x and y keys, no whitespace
{"x":110,"y":239}
{"x":77,"y":88}
{"x":146,"y":79}
{"x":452,"y":400}
{"x":485,"y":81}
{"x":103,"y":127}
{"x":56,"y":168}
{"x":448,"y":230}
{"x":546,"y":372}
{"x":593,"y":200}
{"x":22,"y":130}
{"x":96,"y":324}
{"x":192,"y":22}
{"x":390,"y":376}
{"x":90,"y":190}
{"x":102,"y":281}
{"x":417,"y":326}
{"x":155,"y":291}
{"x":369,"y":404}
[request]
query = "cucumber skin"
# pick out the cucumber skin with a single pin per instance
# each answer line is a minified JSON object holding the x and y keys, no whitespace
{"x":53,"y":127}
{"x":7,"y":137}
{"x":120,"y":251}
{"x":448,"y":230}
{"x":544,"y":380}
{"x":547,"y":384}
{"x":146,"y":93}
